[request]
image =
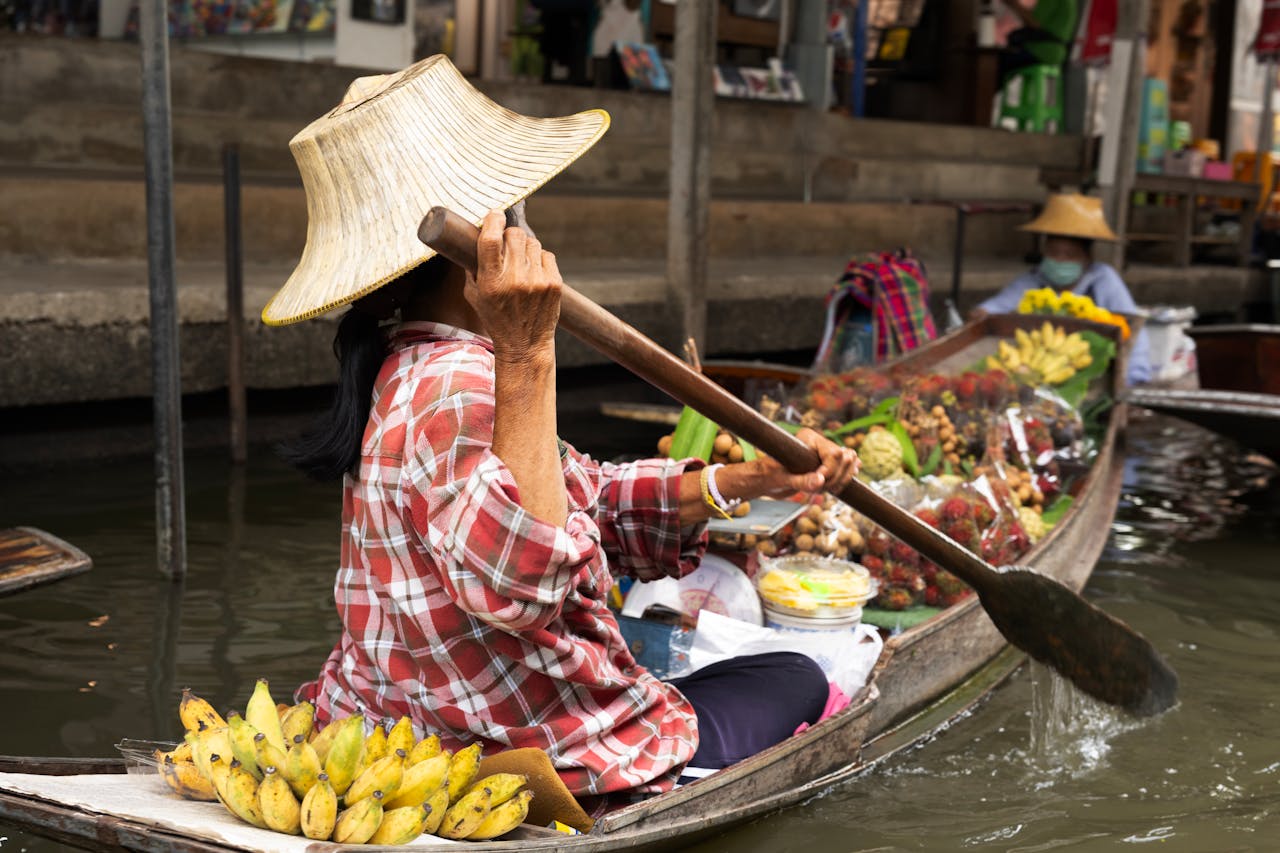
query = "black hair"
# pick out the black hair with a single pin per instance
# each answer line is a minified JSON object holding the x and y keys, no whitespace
{"x":331,"y":446}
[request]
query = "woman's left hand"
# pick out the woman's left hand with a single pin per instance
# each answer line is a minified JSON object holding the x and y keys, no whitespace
{"x":838,"y":466}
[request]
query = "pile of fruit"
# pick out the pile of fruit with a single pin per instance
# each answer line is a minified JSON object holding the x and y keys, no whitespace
{"x":1044,"y":356}
{"x":274,"y":769}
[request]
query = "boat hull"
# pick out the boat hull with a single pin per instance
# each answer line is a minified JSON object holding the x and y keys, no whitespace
{"x":927,"y":675}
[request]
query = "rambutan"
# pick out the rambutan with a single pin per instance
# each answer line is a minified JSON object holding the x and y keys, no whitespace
{"x":955,"y":509}
{"x":895,"y":598}
{"x":878,"y":543}
{"x":928,"y":516}
{"x":903,"y":553}
{"x":873,"y":564}
{"x":949,"y":584}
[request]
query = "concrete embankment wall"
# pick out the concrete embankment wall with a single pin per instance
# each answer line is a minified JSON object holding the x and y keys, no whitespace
{"x":796,"y":192}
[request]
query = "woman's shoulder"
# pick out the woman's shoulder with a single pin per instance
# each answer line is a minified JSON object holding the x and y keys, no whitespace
{"x":436,"y":370}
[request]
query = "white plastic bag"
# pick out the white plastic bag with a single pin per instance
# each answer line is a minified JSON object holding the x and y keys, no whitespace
{"x":847,"y":657}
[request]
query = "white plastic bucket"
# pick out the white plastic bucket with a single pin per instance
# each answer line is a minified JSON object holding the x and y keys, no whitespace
{"x":774,"y":618}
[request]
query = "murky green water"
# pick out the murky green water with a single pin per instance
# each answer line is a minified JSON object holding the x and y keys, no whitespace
{"x":1190,"y":563}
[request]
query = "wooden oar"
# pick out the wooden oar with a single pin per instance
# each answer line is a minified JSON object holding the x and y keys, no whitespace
{"x":1099,"y":654}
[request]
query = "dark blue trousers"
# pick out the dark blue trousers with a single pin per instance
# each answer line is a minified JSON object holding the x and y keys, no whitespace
{"x":746,"y":705}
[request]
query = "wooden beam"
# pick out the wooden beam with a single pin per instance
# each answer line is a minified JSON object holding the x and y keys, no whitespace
{"x":689,"y":210}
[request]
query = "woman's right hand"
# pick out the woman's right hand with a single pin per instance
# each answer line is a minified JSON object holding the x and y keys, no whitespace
{"x":516,"y":291}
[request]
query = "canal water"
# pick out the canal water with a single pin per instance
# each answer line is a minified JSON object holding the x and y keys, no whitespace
{"x":1190,"y":562}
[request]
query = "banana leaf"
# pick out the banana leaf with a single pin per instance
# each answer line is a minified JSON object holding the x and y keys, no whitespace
{"x":931,"y":464}
{"x":1054,"y":512}
{"x":1103,"y":352}
{"x":880,"y":415}
{"x":749,"y":453}
{"x":909,"y":460}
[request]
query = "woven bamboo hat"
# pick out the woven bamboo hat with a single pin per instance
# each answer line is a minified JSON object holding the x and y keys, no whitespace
{"x":1072,"y":215}
{"x":396,"y":146}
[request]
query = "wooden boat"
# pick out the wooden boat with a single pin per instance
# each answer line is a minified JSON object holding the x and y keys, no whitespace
{"x":1239,"y":393}
{"x":926,"y":676}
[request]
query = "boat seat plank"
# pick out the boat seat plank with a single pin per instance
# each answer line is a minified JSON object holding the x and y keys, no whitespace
{"x":29,"y":557}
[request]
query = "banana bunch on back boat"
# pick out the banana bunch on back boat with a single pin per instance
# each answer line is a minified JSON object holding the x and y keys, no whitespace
{"x":1047,"y":355}
{"x":272,"y":767}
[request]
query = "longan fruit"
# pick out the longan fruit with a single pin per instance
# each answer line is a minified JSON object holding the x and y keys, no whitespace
{"x":664,"y":445}
{"x":723,"y":442}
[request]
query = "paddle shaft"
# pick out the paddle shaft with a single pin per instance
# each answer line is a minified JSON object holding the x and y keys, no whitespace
{"x":455,"y":238}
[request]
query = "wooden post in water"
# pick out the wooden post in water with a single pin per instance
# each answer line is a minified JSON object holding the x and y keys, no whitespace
{"x":166,"y":379}
{"x":235,"y":304}
{"x":688,"y":215}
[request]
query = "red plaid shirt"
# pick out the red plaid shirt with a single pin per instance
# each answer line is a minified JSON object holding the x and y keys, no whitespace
{"x":481,"y":622}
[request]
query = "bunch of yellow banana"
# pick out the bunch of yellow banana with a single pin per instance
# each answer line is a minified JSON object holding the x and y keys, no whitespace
{"x":1043,"y":356}
{"x":273,"y":768}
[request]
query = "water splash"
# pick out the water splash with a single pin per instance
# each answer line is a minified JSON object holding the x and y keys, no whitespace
{"x":1070,"y":733}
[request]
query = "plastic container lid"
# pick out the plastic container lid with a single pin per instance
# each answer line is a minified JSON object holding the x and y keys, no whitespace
{"x":814,"y":587}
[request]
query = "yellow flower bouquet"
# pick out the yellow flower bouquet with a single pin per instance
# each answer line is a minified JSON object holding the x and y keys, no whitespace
{"x":1046,"y":300}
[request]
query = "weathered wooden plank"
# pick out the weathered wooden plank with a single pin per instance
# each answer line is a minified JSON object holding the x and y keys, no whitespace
{"x":29,"y":557}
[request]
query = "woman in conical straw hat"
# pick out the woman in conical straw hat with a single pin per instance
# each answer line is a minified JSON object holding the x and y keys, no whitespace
{"x":1070,"y":223}
{"x":478,"y":550}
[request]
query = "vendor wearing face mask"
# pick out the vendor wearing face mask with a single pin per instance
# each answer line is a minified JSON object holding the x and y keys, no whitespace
{"x":1070,"y":224}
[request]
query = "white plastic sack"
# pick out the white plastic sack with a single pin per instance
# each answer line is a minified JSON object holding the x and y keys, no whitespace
{"x":847,"y":657}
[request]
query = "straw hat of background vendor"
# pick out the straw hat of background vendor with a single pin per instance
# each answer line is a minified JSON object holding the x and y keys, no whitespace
{"x":398,"y":145}
{"x":1072,"y":215}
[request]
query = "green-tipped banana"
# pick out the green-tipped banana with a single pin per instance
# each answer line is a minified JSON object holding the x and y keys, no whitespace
{"x":383,"y":775}
{"x":402,"y":825}
{"x":420,"y":781}
{"x":462,"y":771}
{"x":357,"y":824}
{"x":239,"y":793}
{"x":439,"y":805}
{"x":267,"y":755}
{"x":503,"y":786}
{"x":426,"y":748}
{"x":319,"y":810}
{"x":298,"y":720}
{"x":197,"y":714}
{"x":261,"y":713}
{"x":280,"y":808}
{"x":343,"y":759}
{"x":242,"y":746}
{"x":400,"y":736}
{"x":504,"y":818}
{"x":466,"y":815}
{"x":301,"y":766}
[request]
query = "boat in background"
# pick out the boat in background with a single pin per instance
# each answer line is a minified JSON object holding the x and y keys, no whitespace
{"x":1239,"y":393}
{"x":926,"y":676}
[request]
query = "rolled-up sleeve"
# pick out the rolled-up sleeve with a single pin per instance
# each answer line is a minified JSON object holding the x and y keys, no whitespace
{"x":496,"y":561}
{"x":639,"y":519}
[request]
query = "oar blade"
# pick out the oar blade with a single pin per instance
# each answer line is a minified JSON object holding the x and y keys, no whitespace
{"x":1094,"y":651}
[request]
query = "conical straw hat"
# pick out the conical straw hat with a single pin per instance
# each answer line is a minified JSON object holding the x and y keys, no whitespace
{"x":1072,"y":215}
{"x":398,"y":145}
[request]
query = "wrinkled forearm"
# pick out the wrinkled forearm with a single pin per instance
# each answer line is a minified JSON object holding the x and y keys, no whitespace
{"x":524,"y":432}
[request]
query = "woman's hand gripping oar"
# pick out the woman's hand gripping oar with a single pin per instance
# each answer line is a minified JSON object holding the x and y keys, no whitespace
{"x":1099,"y":654}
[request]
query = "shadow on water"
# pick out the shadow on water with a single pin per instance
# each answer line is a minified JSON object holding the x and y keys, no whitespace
{"x":1190,"y":563}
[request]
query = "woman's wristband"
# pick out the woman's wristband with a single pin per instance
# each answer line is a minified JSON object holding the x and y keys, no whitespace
{"x":711,"y":494}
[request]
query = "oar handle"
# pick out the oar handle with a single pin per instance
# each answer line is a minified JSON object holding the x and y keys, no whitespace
{"x":455,"y":238}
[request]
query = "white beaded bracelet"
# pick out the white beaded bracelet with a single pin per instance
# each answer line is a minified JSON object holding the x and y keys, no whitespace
{"x":726,"y":506}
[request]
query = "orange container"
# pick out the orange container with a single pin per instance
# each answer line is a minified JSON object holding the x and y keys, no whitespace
{"x":1244,"y":168}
